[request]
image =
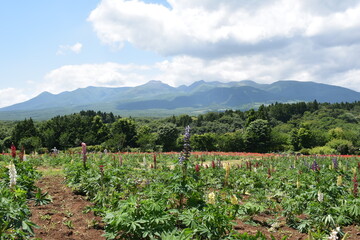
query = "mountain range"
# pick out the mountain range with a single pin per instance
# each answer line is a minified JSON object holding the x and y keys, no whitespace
{"x":159,"y":99}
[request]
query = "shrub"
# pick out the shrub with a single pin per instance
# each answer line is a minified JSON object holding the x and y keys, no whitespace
{"x":322,"y":150}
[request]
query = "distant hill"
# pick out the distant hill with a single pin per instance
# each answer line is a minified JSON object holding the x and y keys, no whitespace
{"x":158,"y":99}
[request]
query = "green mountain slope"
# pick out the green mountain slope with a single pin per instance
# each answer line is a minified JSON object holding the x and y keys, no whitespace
{"x":158,"y":99}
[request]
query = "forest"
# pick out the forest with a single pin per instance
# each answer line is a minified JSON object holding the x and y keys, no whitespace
{"x":305,"y":128}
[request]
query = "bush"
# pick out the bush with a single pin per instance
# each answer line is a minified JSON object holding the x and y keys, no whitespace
{"x":342,"y":146}
{"x":325,"y":150}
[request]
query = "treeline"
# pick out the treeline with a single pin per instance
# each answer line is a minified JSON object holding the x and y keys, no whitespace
{"x":308,"y":128}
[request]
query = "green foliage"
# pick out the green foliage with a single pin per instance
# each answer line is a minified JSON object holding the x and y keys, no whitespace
{"x":342,"y":146}
{"x":278,"y":127}
{"x":167,"y":136}
{"x":14,"y":212}
{"x":257,"y":136}
{"x":325,"y":150}
{"x":204,"y":142}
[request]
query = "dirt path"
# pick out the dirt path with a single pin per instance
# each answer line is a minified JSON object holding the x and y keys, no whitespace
{"x":63,"y":218}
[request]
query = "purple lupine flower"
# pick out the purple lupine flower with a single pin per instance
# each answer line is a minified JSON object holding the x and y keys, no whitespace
{"x":186,"y":152}
{"x":181,"y":159}
{"x":335,"y":163}
{"x":315,"y":166}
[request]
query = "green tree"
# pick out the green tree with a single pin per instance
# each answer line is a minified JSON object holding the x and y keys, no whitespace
{"x":30,"y":144}
{"x":257,"y":136}
{"x":145,"y":138}
{"x":204,"y":142}
{"x":127,"y":127}
{"x":24,"y":129}
{"x":231,"y":142}
{"x":167,"y":135}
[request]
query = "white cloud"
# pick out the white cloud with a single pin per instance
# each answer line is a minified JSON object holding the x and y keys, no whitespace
{"x":65,"y":49}
{"x":265,"y":41}
{"x":10,"y":96}
{"x":214,"y":28}
{"x":71,"y":77}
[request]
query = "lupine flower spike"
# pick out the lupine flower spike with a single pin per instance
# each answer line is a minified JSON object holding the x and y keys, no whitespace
{"x":155,"y":161}
{"x":356,"y":186}
{"x":234,"y":200}
{"x":120,"y":160}
{"x":211,"y":198}
{"x":320,"y":196}
{"x":339,"y":180}
{"x":83,"y":152}
{"x":12,"y":175}
{"x":13,"y":151}
{"x":197,"y":168}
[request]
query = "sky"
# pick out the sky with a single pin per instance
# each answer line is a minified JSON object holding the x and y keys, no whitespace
{"x":62,"y":45}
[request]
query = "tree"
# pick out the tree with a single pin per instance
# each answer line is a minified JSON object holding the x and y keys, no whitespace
{"x":302,"y":138}
{"x":145,"y":138}
{"x":257,"y":136}
{"x":167,"y":135}
{"x":24,"y":129}
{"x":231,"y":142}
{"x":127,"y":127}
{"x":204,"y":142}
{"x":30,"y":144}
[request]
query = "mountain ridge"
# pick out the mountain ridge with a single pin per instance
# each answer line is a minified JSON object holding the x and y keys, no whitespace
{"x":156,"y":96}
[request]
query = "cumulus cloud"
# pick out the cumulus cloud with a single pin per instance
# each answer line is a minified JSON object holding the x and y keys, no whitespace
{"x":71,"y":77}
{"x":10,"y":96}
{"x":211,"y":27}
{"x":305,"y":40}
{"x":65,"y":49}
{"x":233,"y":40}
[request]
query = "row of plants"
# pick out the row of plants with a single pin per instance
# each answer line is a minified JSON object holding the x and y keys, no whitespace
{"x":17,"y":190}
{"x":167,"y":196}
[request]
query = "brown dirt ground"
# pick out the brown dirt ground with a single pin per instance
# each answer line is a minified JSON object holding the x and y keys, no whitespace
{"x":63,"y":218}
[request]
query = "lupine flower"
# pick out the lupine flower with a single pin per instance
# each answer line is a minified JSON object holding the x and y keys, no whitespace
{"x":227,"y":173}
{"x":181,"y":159}
{"x":12,"y":175}
{"x":234,"y":200}
{"x":356,"y":186}
{"x":185,"y":154}
{"x":320,"y":196}
{"x":335,"y":163}
{"x":197,"y":168}
{"x":315,"y":166}
{"x":211,"y":198}
{"x":297,"y":183}
{"x":213,"y":164}
{"x":144,"y":161}
{"x":22,"y":153}
{"x":155,"y":161}
{"x":333,"y":234}
{"x":83,"y":152}
{"x":227,"y":170}
{"x":13,"y":151}
{"x":101,"y":167}
{"x":339,"y":180}
{"x":120,"y":160}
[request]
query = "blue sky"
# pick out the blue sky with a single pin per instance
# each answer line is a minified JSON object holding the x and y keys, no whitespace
{"x":61,"y":45}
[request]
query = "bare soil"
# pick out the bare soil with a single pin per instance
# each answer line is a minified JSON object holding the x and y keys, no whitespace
{"x":64,"y":217}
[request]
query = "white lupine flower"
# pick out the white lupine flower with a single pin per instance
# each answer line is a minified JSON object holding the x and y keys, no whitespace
{"x":211,"y":198}
{"x":13,"y":175}
{"x":320,"y":196}
{"x":333,"y":234}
